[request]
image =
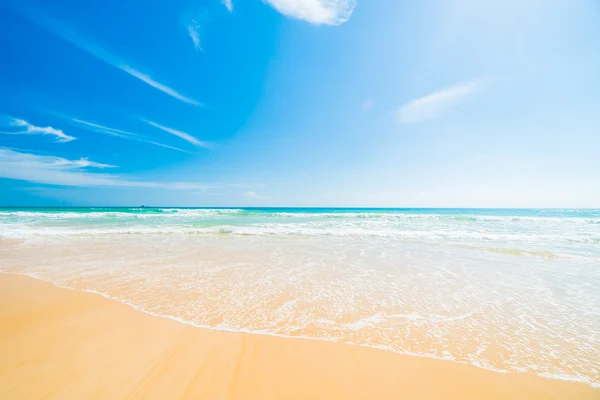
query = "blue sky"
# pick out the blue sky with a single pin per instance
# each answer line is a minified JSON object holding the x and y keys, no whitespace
{"x":436,"y":103}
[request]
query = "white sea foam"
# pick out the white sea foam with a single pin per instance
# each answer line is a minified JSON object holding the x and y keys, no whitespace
{"x":224,"y":328}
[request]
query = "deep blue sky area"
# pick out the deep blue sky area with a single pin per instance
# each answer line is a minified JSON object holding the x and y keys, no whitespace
{"x":346,"y":103}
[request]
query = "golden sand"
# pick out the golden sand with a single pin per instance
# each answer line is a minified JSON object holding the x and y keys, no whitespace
{"x":62,"y":344}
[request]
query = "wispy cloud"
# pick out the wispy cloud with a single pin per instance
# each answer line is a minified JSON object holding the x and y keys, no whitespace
{"x":328,"y":12}
{"x":22,"y":127}
{"x":252,"y":195}
{"x":194,"y":32}
{"x":105,"y":130}
{"x":163,"y":88}
{"x":367,"y":105}
{"x":434,"y":105}
{"x":185,"y":136}
{"x":228,"y":4}
{"x":52,"y":170}
{"x":33,"y":12}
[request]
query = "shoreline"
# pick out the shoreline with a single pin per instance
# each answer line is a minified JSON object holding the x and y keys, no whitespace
{"x":34,"y":310}
{"x":136,"y":308}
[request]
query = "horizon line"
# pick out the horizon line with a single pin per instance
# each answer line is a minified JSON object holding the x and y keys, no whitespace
{"x":321,"y":207}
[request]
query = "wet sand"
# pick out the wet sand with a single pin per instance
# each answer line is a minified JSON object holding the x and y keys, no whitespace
{"x":62,"y":344}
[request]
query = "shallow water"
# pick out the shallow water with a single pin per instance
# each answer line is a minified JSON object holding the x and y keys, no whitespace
{"x":509,"y":290}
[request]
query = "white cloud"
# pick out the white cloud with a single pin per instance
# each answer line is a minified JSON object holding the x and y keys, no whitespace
{"x":328,"y":12}
{"x":25,"y":128}
{"x":185,"y":136}
{"x":49,"y":162}
{"x":434,"y":105}
{"x":103,"y":129}
{"x":252,"y":195}
{"x":93,"y":127}
{"x":157,"y":85}
{"x":61,"y":30}
{"x":228,"y":4}
{"x":194,"y":32}
{"x":52,"y":170}
{"x":83,"y":162}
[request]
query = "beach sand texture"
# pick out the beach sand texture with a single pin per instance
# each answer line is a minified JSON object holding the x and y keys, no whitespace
{"x":62,"y":344}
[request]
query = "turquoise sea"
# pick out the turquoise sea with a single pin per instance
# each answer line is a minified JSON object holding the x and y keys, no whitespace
{"x":501,"y":289}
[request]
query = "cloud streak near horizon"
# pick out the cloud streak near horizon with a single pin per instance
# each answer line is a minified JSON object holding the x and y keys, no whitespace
{"x":25,"y":128}
{"x":183,"y":135}
{"x":53,"y":170}
{"x":435,"y":105}
{"x":105,"y":130}
{"x":35,"y":14}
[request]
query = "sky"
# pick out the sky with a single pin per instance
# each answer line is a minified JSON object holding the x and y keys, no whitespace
{"x":324,"y":103}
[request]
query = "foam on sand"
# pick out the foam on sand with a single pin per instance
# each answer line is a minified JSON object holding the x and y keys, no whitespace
{"x":58,"y":343}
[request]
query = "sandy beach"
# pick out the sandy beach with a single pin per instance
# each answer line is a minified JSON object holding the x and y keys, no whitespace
{"x":299,"y":200}
{"x":62,"y":344}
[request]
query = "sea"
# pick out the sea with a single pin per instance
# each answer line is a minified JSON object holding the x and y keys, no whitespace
{"x":509,"y":290}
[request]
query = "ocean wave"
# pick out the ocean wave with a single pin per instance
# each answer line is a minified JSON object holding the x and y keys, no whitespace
{"x":130,"y":213}
{"x":448,"y":236}
{"x":459,"y":216}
